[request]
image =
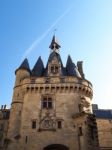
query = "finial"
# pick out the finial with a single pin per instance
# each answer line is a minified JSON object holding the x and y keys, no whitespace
{"x":54,"y":46}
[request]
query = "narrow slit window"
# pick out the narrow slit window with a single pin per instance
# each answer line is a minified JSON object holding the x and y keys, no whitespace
{"x":26,"y":139}
{"x":80,"y":131}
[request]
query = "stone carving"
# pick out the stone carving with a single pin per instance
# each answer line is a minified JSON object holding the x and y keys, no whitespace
{"x":48,"y":122}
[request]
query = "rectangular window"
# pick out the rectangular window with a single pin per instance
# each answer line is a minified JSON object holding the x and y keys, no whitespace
{"x":26,"y":139}
{"x":54,"y":69}
{"x":44,"y":103}
{"x":80,"y":131}
{"x":59,"y":124}
{"x":47,"y":102}
{"x":33,"y":124}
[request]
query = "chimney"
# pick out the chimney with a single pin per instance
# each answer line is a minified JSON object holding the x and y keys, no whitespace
{"x":80,"y":68}
{"x":4,"y":106}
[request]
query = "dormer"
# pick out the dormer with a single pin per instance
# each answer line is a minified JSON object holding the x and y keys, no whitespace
{"x":54,"y":64}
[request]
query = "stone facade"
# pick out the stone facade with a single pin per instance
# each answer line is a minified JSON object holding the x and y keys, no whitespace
{"x":4,"y":121}
{"x":104,"y":124}
{"x":51,"y":107}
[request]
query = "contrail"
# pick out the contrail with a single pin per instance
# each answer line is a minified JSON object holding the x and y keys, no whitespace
{"x":38,"y":40}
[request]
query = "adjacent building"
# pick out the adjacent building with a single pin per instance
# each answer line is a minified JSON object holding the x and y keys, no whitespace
{"x":4,"y":121}
{"x":104,"y":124}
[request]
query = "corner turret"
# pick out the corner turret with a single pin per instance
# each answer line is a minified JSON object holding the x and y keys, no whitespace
{"x":22,"y":72}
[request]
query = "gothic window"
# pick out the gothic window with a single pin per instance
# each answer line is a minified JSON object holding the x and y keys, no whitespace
{"x":47,"y":102}
{"x":54,"y":69}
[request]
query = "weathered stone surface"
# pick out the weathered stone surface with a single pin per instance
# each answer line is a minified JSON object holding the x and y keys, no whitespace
{"x":105,"y":133}
{"x":51,"y":110}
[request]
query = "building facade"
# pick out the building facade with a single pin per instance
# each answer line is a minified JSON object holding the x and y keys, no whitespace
{"x":104,"y":124}
{"x":51,"y":107}
{"x":4,"y":121}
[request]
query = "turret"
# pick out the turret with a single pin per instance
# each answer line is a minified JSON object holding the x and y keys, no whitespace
{"x":71,"y":68}
{"x":38,"y":68}
{"x":54,"y":46}
{"x":22,"y":72}
{"x":17,"y":102}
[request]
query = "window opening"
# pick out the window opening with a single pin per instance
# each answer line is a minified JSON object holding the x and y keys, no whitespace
{"x":80,"y":131}
{"x":47,"y":103}
{"x":54,"y":69}
{"x":59,"y":124}
{"x":33,"y":124}
{"x":26,"y":139}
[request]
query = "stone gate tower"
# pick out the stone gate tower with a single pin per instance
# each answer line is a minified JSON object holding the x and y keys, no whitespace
{"x":51,"y":107}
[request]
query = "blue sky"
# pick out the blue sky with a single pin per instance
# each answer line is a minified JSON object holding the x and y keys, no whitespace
{"x":84,"y":30}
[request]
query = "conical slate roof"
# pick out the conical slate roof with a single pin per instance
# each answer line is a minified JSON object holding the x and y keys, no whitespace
{"x":24,"y":65}
{"x":38,"y":68}
{"x":71,"y":68}
{"x":54,"y":54}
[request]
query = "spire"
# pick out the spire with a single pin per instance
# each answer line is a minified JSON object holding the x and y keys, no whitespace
{"x":24,"y":65}
{"x":69,"y":61}
{"x":71,"y":68}
{"x":54,"y":46}
{"x":38,"y":68}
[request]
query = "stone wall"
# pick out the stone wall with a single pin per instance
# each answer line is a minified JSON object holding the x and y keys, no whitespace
{"x":105,"y":133}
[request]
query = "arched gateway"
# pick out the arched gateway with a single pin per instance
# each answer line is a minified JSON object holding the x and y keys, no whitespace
{"x":56,"y":147}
